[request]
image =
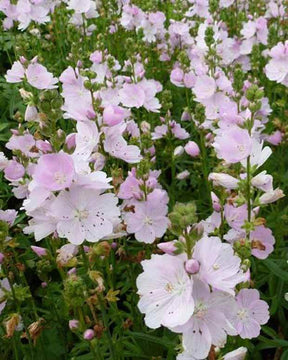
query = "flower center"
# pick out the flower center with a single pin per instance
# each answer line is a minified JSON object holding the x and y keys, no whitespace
{"x":148,"y":221}
{"x":200,"y":310}
{"x":82,"y":214}
{"x":242,"y":314}
{"x":60,"y":178}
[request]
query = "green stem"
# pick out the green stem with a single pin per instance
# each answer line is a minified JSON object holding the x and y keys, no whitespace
{"x":205,"y":167}
{"x":249,"y":188}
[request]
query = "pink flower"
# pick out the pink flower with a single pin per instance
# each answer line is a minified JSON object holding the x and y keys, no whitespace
{"x":263,"y":181}
{"x":277,"y":67}
{"x":149,"y":220}
{"x":275,"y":138}
{"x":38,"y":76}
{"x":66,"y":253}
{"x":79,"y":6}
{"x":219,"y":267}
{"x":85,"y":215}
{"x":271,"y":196}
{"x":262,"y":242}
{"x":235,"y":216}
{"x":54,"y":171}
{"x":16,"y":74}
{"x":205,"y":87}
{"x":177,"y":76}
{"x":14,"y":171}
{"x":233,"y":144}
{"x":251,"y":312}
{"x":24,"y":143}
{"x":132,"y":95}
{"x":117,"y":146}
{"x":165,"y":291}
{"x":208,"y":325}
{"x":238,"y":354}
{"x":192,"y":149}
{"x":8,"y":216}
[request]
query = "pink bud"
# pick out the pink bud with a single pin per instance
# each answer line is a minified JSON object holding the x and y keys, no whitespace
{"x":275,"y":138}
{"x":192,"y":266}
{"x":44,"y":284}
{"x":89,"y":334}
{"x":1,"y":258}
{"x":215,"y":202}
{"x":72,"y":271}
{"x":44,"y":146}
{"x":114,"y":245}
{"x":71,"y":141}
{"x":40,"y":251}
{"x":185,"y":116}
{"x":73,"y":324}
{"x":168,"y":247}
{"x":113,"y":115}
{"x":23,"y":60}
{"x":192,"y":149}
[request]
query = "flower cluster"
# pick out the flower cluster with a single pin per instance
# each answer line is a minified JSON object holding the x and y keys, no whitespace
{"x":141,"y":156}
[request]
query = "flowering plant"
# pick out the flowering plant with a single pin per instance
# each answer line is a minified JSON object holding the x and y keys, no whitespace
{"x":143,"y":173}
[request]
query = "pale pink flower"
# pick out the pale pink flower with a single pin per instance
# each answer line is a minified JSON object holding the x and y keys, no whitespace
{"x":132,"y":95}
{"x":117,"y":146}
{"x":271,"y":196}
{"x":39,"y":77}
{"x":235,"y":216}
{"x":16,"y":73}
{"x":8,"y":216}
{"x":219,"y":267}
{"x":233,"y":144}
{"x":205,"y":87}
{"x":251,"y":312}
{"x":263,"y":181}
{"x":149,"y":219}
{"x":262,"y":242}
{"x":54,"y":171}
{"x":14,"y":171}
{"x":238,"y":354}
{"x":208,"y":325}
{"x":165,"y":291}
{"x":85,"y":215}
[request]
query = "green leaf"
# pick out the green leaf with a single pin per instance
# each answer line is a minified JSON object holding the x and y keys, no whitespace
{"x":276,"y":270}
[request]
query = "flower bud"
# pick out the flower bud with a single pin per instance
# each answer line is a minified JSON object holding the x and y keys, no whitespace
{"x":178,"y":151}
{"x":39,"y":251}
{"x":89,"y":334}
{"x":192,"y":266}
{"x":225,"y":180}
{"x":168,"y":247}
{"x":73,"y":324}
{"x":271,"y":196}
{"x":192,"y":149}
